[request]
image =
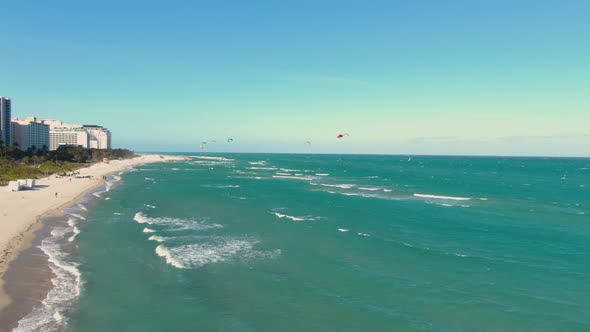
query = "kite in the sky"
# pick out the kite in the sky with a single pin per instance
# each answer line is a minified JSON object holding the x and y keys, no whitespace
{"x":342,"y":135}
{"x":203,"y":145}
{"x":229,"y":140}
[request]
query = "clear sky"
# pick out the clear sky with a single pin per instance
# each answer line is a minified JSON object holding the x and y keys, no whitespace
{"x":501,"y":77}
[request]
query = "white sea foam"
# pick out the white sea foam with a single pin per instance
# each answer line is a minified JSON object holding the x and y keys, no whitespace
{"x":76,"y":232}
{"x":289,"y":170}
{"x":213,"y":250}
{"x":341,"y":186}
{"x":77,"y":216}
{"x":343,"y":229}
{"x":220,"y":186}
{"x":164,"y":252}
{"x":140,"y":218}
{"x":175,"y":224}
{"x":82,"y":207}
{"x":280,"y":216}
{"x":387,"y":190}
{"x":209,"y":163}
{"x":363,"y":234}
{"x":364,"y":195}
{"x":66,"y":288}
{"x":58,"y":317}
{"x":322,"y":174}
{"x":262,"y":162}
{"x":71,"y":222}
{"x":286,"y":174}
{"x":443,"y":197}
{"x":117,"y":213}
{"x":263,"y":168}
{"x":293,"y":177}
{"x":148,"y":230}
{"x":369,"y":188}
{"x":213,"y":158}
{"x":157,"y":238}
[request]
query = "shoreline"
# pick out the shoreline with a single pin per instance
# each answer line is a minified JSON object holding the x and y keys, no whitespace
{"x":23,"y":212}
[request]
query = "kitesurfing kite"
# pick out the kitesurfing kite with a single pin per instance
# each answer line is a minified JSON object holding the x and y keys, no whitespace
{"x":342,"y":135}
{"x":203,"y":145}
{"x":229,"y":140}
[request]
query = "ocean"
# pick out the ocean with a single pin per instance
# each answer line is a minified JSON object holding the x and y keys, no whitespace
{"x":270,"y":242}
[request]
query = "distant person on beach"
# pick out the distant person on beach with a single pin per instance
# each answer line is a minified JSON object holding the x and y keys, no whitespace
{"x":56,"y":194}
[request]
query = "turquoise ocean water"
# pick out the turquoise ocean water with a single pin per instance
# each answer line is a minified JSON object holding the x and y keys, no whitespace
{"x":251,"y":242}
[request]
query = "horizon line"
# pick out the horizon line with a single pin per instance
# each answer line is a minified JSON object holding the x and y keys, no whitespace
{"x":373,"y":154}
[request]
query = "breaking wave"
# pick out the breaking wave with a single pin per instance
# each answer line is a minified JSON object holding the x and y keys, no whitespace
{"x":157,"y":238}
{"x":306,"y":178}
{"x":213,"y":158}
{"x":213,"y":250}
{"x":443,"y":197}
{"x":177,"y":224}
{"x":66,"y":282}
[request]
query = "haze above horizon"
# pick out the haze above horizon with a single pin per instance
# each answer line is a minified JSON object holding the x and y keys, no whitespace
{"x":402,"y":77}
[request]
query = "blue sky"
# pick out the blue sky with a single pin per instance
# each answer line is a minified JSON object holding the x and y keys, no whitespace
{"x":408,"y":77}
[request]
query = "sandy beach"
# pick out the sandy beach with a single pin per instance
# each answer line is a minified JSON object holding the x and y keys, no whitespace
{"x":20,"y":212}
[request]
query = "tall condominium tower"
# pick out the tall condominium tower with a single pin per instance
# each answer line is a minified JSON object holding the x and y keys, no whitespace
{"x":5,"y":120}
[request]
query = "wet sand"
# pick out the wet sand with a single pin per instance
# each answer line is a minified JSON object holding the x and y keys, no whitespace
{"x":27,"y":281}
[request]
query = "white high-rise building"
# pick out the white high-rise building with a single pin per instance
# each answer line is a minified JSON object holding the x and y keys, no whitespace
{"x":29,"y":132}
{"x":5,"y":110}
{"x":98,"y":137}
{"x":86,"y":136}
{"x":65,"y":134}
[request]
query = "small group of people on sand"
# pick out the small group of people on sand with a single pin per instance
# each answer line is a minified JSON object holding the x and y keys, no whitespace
{"x":64,"y":174}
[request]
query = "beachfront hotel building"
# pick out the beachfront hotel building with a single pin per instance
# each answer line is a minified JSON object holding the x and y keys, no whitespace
{"x":65,"y":134}
{"x":29,"y":132}
{"x":86,"y":136}
{"x":5,"y":110}
{"x":98,"y":137}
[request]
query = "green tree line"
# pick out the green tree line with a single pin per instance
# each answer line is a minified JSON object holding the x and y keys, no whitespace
{"x":35,"y":162}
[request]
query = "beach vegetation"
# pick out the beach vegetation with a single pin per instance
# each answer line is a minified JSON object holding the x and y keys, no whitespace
{"x":38,"y":162}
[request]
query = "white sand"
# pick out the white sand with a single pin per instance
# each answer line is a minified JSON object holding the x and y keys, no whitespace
{"x":20,"y":210}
